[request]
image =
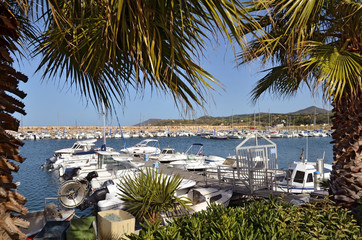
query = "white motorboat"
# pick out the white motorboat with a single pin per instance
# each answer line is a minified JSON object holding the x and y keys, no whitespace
{"x":209,"y":162}
{"x":78,"y":147}
{"x":147,"y":146}
{"x":169,"y":155}
{"x":234,"y":135}
{"x":197,"y":161}
{"x":300,"y":176}
{"x":81,"y":151}
{"x":110,"y":165}
{"x":201,"y":198}
{"x":91,"y":163}
{"x":194,"y":156}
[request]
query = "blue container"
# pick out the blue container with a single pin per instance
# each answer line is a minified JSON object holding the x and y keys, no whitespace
{"x":146,"y":157}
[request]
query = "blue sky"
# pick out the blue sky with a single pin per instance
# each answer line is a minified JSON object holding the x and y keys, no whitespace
{"x":50,"y":103}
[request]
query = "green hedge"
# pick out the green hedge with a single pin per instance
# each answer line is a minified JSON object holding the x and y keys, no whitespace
{"x":259,"y":220}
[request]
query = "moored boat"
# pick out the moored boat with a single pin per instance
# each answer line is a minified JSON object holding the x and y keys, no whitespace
{"x":146,"y":146}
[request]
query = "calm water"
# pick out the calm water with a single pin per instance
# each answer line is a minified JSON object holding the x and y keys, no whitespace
{"x":37,"y":184}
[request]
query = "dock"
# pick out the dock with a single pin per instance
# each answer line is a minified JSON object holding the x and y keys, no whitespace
{"x":205,"y":179}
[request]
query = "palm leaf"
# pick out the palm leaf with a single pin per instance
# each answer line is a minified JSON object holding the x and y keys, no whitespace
{"x":279,"y":81}
{"x":338,"y":72}
{"x":104,"y":47}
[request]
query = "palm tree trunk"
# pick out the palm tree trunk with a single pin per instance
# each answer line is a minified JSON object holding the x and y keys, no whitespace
{"x":346,"y":176}
{"x":10,"y":200}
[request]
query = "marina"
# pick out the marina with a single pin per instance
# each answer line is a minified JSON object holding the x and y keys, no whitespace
{"x":37,"y":184}
{"x":82,"y":175}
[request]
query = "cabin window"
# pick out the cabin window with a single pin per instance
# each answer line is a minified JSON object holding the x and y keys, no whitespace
{"x":310,"y":177}
{"x":108,"y":160}
{"x":299,"y":177}
{"x":215,"y":198}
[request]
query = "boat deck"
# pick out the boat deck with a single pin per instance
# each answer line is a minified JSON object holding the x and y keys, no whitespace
{"x":204,"y":180}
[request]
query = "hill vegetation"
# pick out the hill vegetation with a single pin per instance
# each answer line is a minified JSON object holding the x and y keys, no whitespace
{"x":307,"y":116}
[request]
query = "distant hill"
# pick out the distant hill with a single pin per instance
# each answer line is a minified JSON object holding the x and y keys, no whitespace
{"x":148,"y":122}
{"x":303,"y":113}
{"x":310,"y":111}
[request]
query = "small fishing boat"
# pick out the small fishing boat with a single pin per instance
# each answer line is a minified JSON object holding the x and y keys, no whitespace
{"x":301,"y":176}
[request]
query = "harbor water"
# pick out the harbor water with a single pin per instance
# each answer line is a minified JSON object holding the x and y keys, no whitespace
{"x":37,"y":184}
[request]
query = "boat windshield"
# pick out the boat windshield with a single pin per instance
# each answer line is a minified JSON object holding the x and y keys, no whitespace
{"x":146,"y":143}
{"x":76,"y":146}
{"x":310,"y":177}
{"x":167,"y":151}
{"x":299,"y":177}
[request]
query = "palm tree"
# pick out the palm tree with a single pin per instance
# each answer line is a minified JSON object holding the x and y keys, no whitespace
{"x":150,"y":194}
{"x":12,"y":20}
{"x":103,"y":48}
{"x":318,"y":44}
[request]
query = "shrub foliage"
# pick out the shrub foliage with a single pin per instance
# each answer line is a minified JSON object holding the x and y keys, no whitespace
{"x":260,"y":219}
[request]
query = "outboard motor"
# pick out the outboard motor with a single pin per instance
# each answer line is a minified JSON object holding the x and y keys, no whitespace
{"x":91,"y":175}
{"x":49,"y":162}
{"x":98,"y":195}
{"x":107,"y":183}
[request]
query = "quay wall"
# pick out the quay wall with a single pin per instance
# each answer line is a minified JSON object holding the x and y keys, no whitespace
{"x":193,"y":128}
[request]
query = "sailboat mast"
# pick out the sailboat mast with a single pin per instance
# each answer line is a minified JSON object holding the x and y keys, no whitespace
{"x":104,"y":124}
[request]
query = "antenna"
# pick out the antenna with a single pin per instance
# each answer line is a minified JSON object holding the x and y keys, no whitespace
{"x":104,"y":123}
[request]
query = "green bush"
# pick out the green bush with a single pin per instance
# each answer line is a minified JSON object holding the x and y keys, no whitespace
{"x":259,"y":220}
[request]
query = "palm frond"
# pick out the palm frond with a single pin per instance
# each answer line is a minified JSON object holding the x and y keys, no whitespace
{"x":105,"y":47}
{"x":311,"y":42}
{"x":279,"y":81}
{"x":339,"y":73}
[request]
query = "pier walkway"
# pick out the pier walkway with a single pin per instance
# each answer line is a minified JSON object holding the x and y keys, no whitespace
{"x":215,"y":180}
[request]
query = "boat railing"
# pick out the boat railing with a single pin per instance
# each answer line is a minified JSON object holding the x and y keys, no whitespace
{"x":252,"y":179}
